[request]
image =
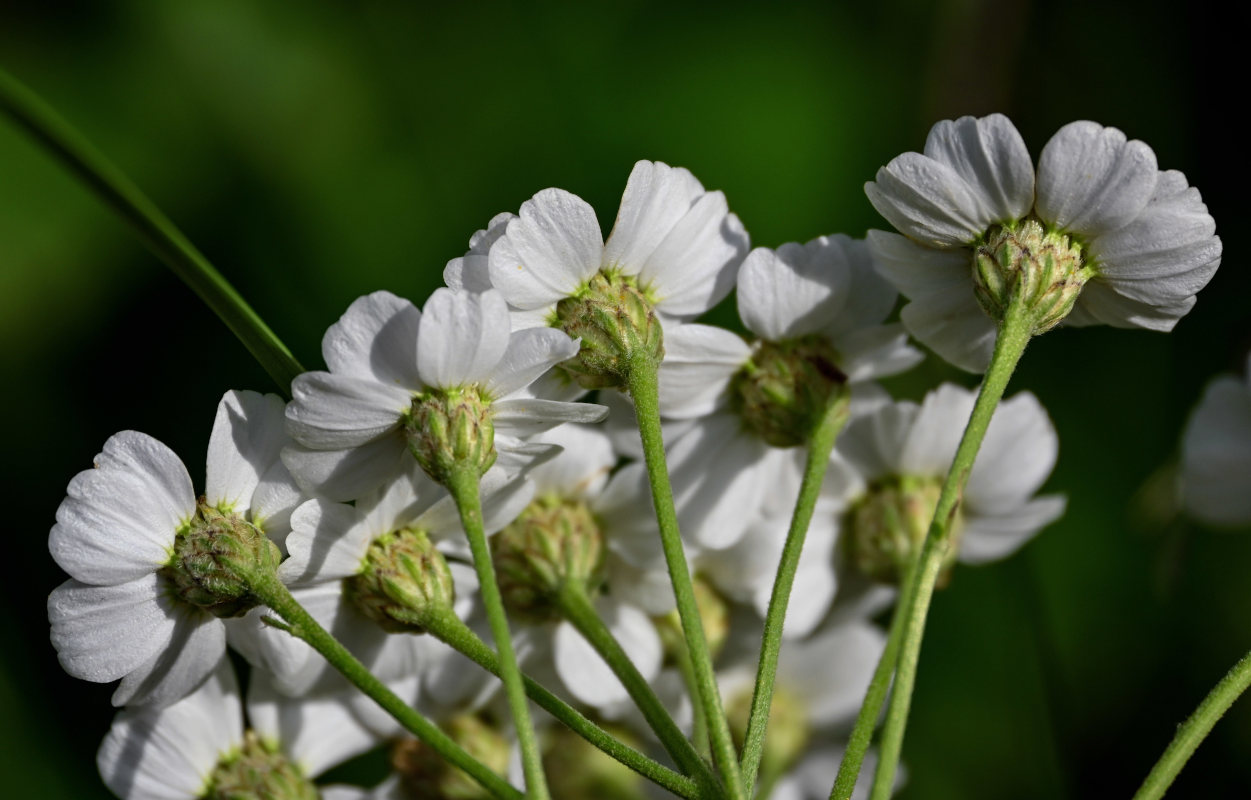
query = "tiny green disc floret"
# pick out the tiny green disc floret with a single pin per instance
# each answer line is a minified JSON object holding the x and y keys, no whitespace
{"x":1044,"y":269}
{"x":784,"y":390}
{"x":888,"y":524}
{"x":426,"y":775}
{"x":556,"y":542}
{"x":403,"y":581}
{"x":215,"y":554}
{"x":613,"y":317}
{"x":258,"y":772}
{"x":446,"y":428}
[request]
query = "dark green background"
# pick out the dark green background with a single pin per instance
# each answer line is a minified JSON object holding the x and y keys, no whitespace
{"x":318,"y":151}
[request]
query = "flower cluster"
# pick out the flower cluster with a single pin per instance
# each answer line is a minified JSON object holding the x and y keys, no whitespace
{"x":343,"y":499}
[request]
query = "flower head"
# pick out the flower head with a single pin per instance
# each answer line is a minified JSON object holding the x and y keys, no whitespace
{"x":1097,"y":234}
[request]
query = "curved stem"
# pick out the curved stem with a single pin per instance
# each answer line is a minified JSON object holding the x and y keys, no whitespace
{"x":871,"y":708}
{"x":452,"y":631}
{"x":271,"y":591}
{"x":1014,"y":333}
{"x":820,"y":444}
{"x":576,"y":607}
{"x":154,"y":229}
{"x":1193,"y":731}
{"x":642,"y":385}
{"x":463,"y":484}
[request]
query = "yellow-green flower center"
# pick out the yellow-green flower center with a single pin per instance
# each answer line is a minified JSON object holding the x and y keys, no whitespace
{"x":782,"y":392}
{"x":426,"y":775}
{"x":614,"y":318}
{"x":258,"y":771}
{"x":403,"y":580}
{"x":214,"y":554}
{"x":887,"y":526}
{"x":1023,"y":261}
{"x":446,"y":428}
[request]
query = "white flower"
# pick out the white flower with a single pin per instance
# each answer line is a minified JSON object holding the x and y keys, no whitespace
{"x":817,"y":309}
{"x":187,"y":750}
{"x":471,"y":272}
{"x":388,"y":361}
{"x":900,"y":455}
{"x":1216,"y":454}
{"x":1100,"y":200}
{"x":118,"y":535}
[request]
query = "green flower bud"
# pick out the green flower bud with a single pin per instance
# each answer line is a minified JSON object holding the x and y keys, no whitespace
{"x":577,"y":769}
{"x":404,"y":580}
{"x":887,"y":526}
{"x":554,"y":543}
{"x":714,"y":615}
{"x":425,"y":775}
{"x":789,"y":730}
{"x":613,"y":318}
{"x":258,"y":772}
{"x":214,"y":557}
{"x":1045,"y":268}
{"x":782,"y":392}
{"x":446,"y":428}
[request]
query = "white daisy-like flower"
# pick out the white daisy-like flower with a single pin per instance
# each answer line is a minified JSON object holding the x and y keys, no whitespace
{"x":1216,"y":454}
{"x":672,"y":254}
{"x":899,"y":455}
{"x":1112,"y":237}
{"x":471,"y":272}
{"x":132,"y":536}
{"x":345,"y":559}
{"x":199,"y":748}
{"x":401,"y":380}
{"x":817,"y":310}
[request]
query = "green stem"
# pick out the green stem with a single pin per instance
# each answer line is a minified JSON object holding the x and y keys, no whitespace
{"x":1014,"y":333}
{"x":820,"y":445}
{"x":1193,"y":731}
{"x":642,"y":385}
{"x":154,"y":229}
{"x":576,"y":607}
{"x":271,"y":591}
{"x":463,"y":484}
{"x":871,"y":708}
{"x":699,"y":721}
{"x":449,"y":629}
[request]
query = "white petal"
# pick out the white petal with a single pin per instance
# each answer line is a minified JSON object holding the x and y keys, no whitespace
{"x":1092,"y":181}
{"x":582,"y":468}
{"x":1216,"y":455}
{"x":1168,"y":253}
{"x":793,"y":291}
{"x":331,"y":412}
{"x":993,"y":537}
{"x":167,"y":754}
{"x":375,"y":339}
{"x":953,"y":325}
{"x":101,"y":633}
{"x":625,"y":506}
{"x":991,"y":156}
{"x":463,"y":336}
{"x":345,"y":474}
{"x":199,"y":643}
{"x":109,"y":530}
{"x":587,"y":676}
{"x":531,"y":352}
{"x":696,"y":265}
{"x":716,"y":484}
{"x":514,"y":457}
{"x":874,"y":444}
{"x":328,"y":541}
{"x":656,"y":197}
{"x":1100,"y":302}
{"x":831,"y":671}
{"x":876,"y":352}
{"x":1015,"y":458}
{"x":525,"y":416}
{"x":316,"y":732}
{"x":918,"y":271}
{"x":874,"y":295}
{"x":936,"y":431}
{"x":548,"y":252}
{"x":695,"y":374}
{"x":276,"y":496}
{"x":248,"y":434}
{"x":503,"y":503}
{"x":929,"y":202}
{"x":291,"y":661}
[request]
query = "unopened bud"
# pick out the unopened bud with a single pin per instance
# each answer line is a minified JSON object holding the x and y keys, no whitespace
{"x":1044,"y":269}
{"x":404,"y":581}
{"x":714,"y":615}
{"x":782,"y":393}
{"x":887,"y":526}
{"x":448,"y":428}
{"x":214,"y":557}
{"x":789,"y":729}
{"x":613,"y":318}
{"x":425,"y":774}
{"x":556,"y":542}
{"x":258,"y":772}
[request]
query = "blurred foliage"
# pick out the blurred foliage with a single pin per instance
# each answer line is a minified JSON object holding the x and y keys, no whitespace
{"x":317,"y":151}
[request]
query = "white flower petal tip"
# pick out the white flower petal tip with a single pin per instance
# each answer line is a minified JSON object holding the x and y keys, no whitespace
{"x":1216,"y":455}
